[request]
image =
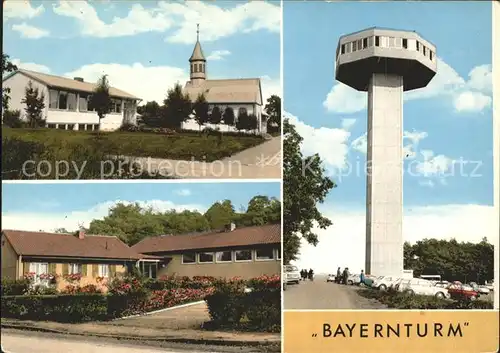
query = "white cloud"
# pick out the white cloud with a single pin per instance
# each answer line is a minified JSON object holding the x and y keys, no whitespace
{"x":446,"y":83}
{"x":138,"y":20}
{"x":50,"y":221}
{"x":462,"y":222}
{"x":183,"y":192}
{"x":434,"y":165}
{"x":470,"y":101}
{"x":218,"y":54}
{"x":360,"y":143}
{"x":270,"y":87}
{"x":348,"y":123}
{"x":15,"y":9}
{"x":30,"y":32}
{"x":330,"y":143}
{"x":136,"y":79}
{"x":214,"y":21}
{"x":31,"y":66}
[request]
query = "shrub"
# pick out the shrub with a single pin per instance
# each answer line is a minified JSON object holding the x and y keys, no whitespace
{"x":126,"y":296}
{"x":42,"y":290}
{"x":61,"y":308}
{"x":15,"y":286}
{"x":11,"y":118}
{"x":87,"y":289}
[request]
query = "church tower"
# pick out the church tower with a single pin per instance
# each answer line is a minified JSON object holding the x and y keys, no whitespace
{"x":197,"y":62}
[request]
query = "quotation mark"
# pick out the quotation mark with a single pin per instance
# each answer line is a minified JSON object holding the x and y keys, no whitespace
{"x":466,"y":324}
{"x":315,"y":335}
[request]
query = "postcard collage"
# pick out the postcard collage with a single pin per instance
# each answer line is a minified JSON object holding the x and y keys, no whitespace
{"x":237,"y":176}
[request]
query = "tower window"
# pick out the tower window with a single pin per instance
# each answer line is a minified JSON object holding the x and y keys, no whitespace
{"x":418,"y":45}
{"x":425,"y":50}
{"x":360,"y":44}
{"x":370,"y":41}
{"x":342,"y":51}
{"x":365,"y":43}
{"x":430,"y":54}
{"x":377,"y":41}
{"x":405,"y":43}
{"x":354,"y":46}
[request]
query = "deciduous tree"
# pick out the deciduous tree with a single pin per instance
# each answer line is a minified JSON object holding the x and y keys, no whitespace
{"x":100,"y":99}
{"x":304,"y":186}
{"x":7,"y":67}
{"x":35,"y":105}
{"x":201,"y":110}
{"x":273,"y":110}
{"x":177,"y":107}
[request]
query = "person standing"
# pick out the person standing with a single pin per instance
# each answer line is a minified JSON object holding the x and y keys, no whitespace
{"x":362,"y":278}
{"x":339,"y":275}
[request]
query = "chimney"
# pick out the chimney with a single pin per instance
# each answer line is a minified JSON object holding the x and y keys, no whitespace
{"x":230,"y":227}
{"x":81,"y":233}
{"x":79,"y":79}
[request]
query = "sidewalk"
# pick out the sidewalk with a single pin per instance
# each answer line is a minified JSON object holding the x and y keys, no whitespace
{"x":181,"y":325}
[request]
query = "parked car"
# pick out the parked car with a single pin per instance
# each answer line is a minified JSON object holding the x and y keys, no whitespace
{"x":353,"y":279}
{"x":330,"y":278}
{"x":490,"y":286}
{"x":480,"y":289}
{"x":383,"y":283}
{"x":421,"y":287}
{"x":442,"y":284}
{"x":292,"y":274}
{"x":459,"y":290}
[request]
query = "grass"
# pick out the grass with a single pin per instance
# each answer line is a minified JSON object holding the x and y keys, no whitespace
{"x":180,"y":146}
{"x":397,"y":300}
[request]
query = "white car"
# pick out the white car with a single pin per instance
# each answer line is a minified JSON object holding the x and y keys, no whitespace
{"x":292,"y":274}
{"x":353,"y":279}
{"x":480,"y":289}
{"x":385,"y":282}
{"x":422,"y":287}
{"x":330,"y":278}
{"x":442,"y":284}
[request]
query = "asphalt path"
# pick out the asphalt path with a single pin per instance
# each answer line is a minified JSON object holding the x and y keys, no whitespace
{"x":319,"y":294}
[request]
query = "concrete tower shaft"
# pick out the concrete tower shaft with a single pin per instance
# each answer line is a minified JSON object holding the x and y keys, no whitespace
{"x":385,"y":63}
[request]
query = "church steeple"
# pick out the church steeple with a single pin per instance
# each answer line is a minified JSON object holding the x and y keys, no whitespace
{"x":197,"y":62}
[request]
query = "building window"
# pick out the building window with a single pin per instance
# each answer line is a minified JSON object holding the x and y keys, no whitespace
{"x":278,"y":254}
{"x":377,"y":41}
{"x":242,"y":111}
{"x":205,"y":257}
{"x":342,"y":51}
{"x":103,"y":271}
{"x":189,"y":258}
{"x":424,"y":50}
{"x":348,"y":47}
{"x":51,"y":126}
{"x":61,"y":126}
{"x":243,"y":255}
{"x":354,"y":46}
{"x":95,"y":127}
{"x":83,"y":100}
{"x":264,"y":254}
{"x":224,"y":256}
{"x":405,"y":43}
{"x":53,"y":98}
{"x":71,"y":126}
{"x":365,"y":43}
{"x":370,"y":41}
{"x":72,"y":101}
{"x":418,"y":45}
{"x":149,"y":269}
{"x":63,"y":100}
{"x":38,"y":269}
{"x":195,"y":68}
{"x":75,"y":269}
{"x":82,"y":127}
{"x":116,"y":106}
{"x":203,"y":68}
{"x":430,"y":54}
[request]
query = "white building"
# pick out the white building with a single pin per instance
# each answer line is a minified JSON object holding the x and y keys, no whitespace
{"x":67,"y":101}
{"x":240,"y":95}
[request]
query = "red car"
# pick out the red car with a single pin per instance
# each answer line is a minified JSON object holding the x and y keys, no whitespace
{"x":458,"y":290}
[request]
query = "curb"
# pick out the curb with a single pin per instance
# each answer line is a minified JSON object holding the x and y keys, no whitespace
{"x":214,"y":342}
{"x":160,"y":310}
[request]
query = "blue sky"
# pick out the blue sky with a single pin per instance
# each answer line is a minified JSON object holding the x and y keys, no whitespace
{"x":144,"y":46}
{"x":52,"y":205}
{"x":448,"y":122}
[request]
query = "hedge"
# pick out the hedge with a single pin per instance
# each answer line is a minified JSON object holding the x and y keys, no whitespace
{"x":403,"y":301}
{"x":253,"y":304}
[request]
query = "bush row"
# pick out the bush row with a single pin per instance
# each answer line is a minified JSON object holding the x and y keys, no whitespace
{"x":254,"y":304}
{"x":398,"y":300}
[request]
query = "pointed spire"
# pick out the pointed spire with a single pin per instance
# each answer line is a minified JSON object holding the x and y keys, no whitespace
{"x":197,"y":52}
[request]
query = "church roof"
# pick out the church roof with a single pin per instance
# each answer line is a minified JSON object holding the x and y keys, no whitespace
{"x":197,"y":52}
{"x":244,"y":90}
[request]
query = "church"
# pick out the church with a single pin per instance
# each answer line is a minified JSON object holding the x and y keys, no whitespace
{"x":242,"y":95}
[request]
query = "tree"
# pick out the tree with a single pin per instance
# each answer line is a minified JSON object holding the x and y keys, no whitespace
{"x":201,"y":110}
{"x":35,"y":104}
{"x":261,"y":210}
{"x":11,"y":118}
{"x":150,"y":113}
{"x":215,"y":116}
{"x":177,"y":107}
{"x":273,"y":110}
{"x":304,"y":186}
{"x":7,"y":67}
{"x":62,"y":230}
{"x":228,"y":116}
{"x":242,"y":122}
{"x":100,"y":99}
{"x":220,"y":214}
{"x":252,"y":122}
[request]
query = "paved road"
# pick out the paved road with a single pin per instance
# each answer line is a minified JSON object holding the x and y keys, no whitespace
{"x":14,"y":341}
{"x":318,"y":294}
{"x":259,"y":162}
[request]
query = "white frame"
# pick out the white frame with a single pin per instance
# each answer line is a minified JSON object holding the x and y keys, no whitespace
{"x":78,"y":266}
{"x":205,"y":262}
{"x":277,"y":254}
{"x":100,"y":270}
{"x":35,"y":268}
{"x":224,"y":262}
{"x":260,"y":260}
{"x":189,"y":263}
{"x":236,"y":259}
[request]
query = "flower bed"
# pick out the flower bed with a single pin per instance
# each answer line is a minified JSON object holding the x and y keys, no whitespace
{"x":168,"y":298}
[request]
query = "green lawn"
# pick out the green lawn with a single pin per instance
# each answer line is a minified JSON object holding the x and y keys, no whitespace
{"x":181,"y":146}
